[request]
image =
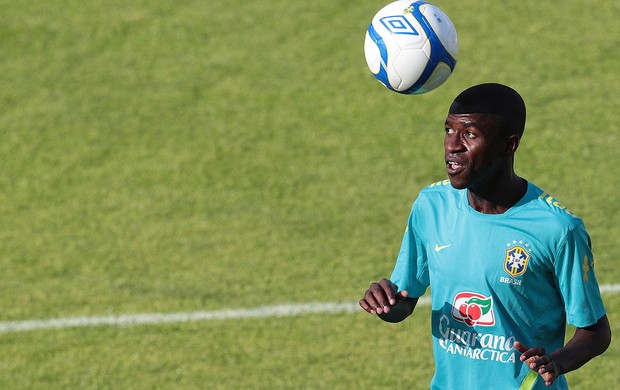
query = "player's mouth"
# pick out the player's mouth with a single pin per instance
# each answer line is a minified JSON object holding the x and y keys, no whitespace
{"x":454,"y":167}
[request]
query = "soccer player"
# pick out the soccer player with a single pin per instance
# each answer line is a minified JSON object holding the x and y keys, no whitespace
{"x":507,"y":264}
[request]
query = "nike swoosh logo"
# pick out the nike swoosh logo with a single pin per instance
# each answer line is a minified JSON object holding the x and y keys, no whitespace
{"x":440,"y":248}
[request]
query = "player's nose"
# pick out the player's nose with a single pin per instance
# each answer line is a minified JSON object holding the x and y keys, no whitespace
{"x":453,"y":144}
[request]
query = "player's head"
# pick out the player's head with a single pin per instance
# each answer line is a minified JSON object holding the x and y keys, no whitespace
{"x":483,"y":130}
{"x":500,"y":101}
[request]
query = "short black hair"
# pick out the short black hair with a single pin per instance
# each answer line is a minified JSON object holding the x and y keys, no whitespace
{"x":494,"y":99}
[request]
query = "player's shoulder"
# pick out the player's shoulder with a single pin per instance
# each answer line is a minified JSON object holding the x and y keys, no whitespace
{"x":550,"y":208}
{"x":439,"y":187}
{"x":438,"y":195}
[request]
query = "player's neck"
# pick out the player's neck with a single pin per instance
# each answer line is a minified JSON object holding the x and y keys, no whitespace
{"x":497,"y":196}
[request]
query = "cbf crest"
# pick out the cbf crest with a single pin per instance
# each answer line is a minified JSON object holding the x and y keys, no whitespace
{"x":515,"y":262}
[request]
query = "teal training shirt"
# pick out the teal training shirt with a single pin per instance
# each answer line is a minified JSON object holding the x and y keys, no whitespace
{"x":496,"y":279}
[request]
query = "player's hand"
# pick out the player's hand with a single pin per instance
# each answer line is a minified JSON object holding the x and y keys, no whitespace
{"x":380,"y":297}
{"x":537,"y":359}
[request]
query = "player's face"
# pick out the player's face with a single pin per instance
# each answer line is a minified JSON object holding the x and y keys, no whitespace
{"x":472,"y":151}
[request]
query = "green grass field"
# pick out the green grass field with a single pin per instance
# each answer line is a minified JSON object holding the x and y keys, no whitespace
{"x":163,"y":156}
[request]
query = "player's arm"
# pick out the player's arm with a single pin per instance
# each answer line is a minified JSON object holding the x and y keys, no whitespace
{"x":387,"y":302}
{"x":586,"y":344}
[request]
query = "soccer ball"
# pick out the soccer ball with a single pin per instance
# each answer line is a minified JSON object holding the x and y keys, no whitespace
{"x":411,"y":46}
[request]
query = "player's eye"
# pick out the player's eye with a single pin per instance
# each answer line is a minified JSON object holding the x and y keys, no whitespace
{"x":470,"y":134}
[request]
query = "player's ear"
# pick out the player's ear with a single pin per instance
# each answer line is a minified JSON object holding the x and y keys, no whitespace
{"x":512,"y":144}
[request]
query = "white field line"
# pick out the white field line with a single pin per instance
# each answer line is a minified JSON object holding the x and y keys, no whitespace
{"x":288,"y":310}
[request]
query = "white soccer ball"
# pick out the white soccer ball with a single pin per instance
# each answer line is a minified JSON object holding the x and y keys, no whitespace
{"x":411,"y":46}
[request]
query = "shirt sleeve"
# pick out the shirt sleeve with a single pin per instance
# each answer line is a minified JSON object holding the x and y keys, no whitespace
{"x":574,"y":270}
{"x":411,"y":270}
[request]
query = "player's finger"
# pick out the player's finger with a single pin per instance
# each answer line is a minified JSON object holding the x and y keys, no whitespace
{"x":380,"y":294}
{"x":549,"y":376}
{"x":529,"y":357}
{"x":540,"y":363}
{"x":389,"y":289}
{"x":546,"y":369}
{"x":364,"y":305}
{"x":520,"y":347}
{"x":371,"y":303}
{"x":534,"y":352}
{"x":375,"y":299}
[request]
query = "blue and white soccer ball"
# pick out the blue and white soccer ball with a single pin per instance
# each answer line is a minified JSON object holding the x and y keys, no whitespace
{"x":411,"y":46}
